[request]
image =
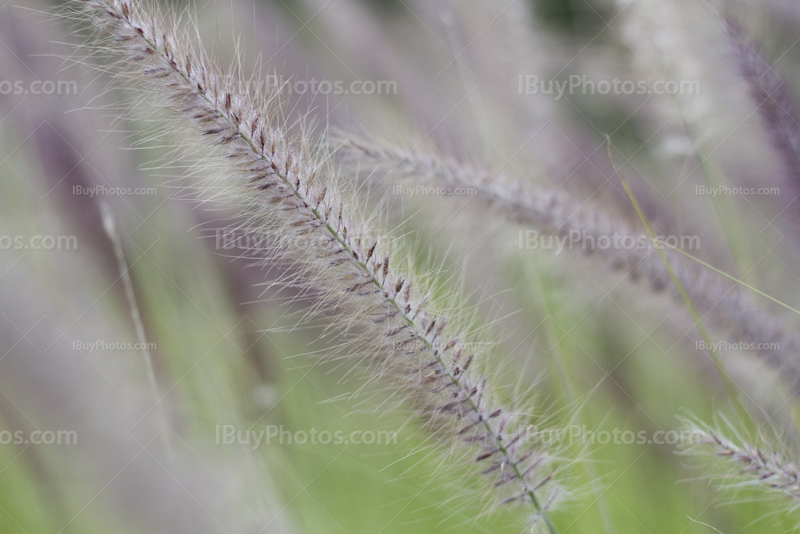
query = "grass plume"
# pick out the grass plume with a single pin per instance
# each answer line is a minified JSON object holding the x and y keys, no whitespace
{"x":285,"y":183}
{"x":744,"y":464}
{"x":720,"y":300}
{"x":773,"y":99}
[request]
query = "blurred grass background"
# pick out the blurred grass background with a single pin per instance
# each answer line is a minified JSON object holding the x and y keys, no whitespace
{"x":229,"y":350}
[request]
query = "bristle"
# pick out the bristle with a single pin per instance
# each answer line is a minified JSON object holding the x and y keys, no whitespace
{"x":744,"y":464}
{"x":293,"y":177}
{"x":722,"y":305}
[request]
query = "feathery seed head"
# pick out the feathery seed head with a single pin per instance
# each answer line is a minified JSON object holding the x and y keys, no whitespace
{"x":724,"y":305}
{"x":287,"y":186}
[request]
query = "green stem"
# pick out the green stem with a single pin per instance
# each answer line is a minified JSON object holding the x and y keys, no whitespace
{"x":730,"y":386}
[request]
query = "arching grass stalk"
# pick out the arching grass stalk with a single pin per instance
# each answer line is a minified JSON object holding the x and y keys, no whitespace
{"x":722,"y":304}
{"x":284,"y":182}
{"x":730,"y":386}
